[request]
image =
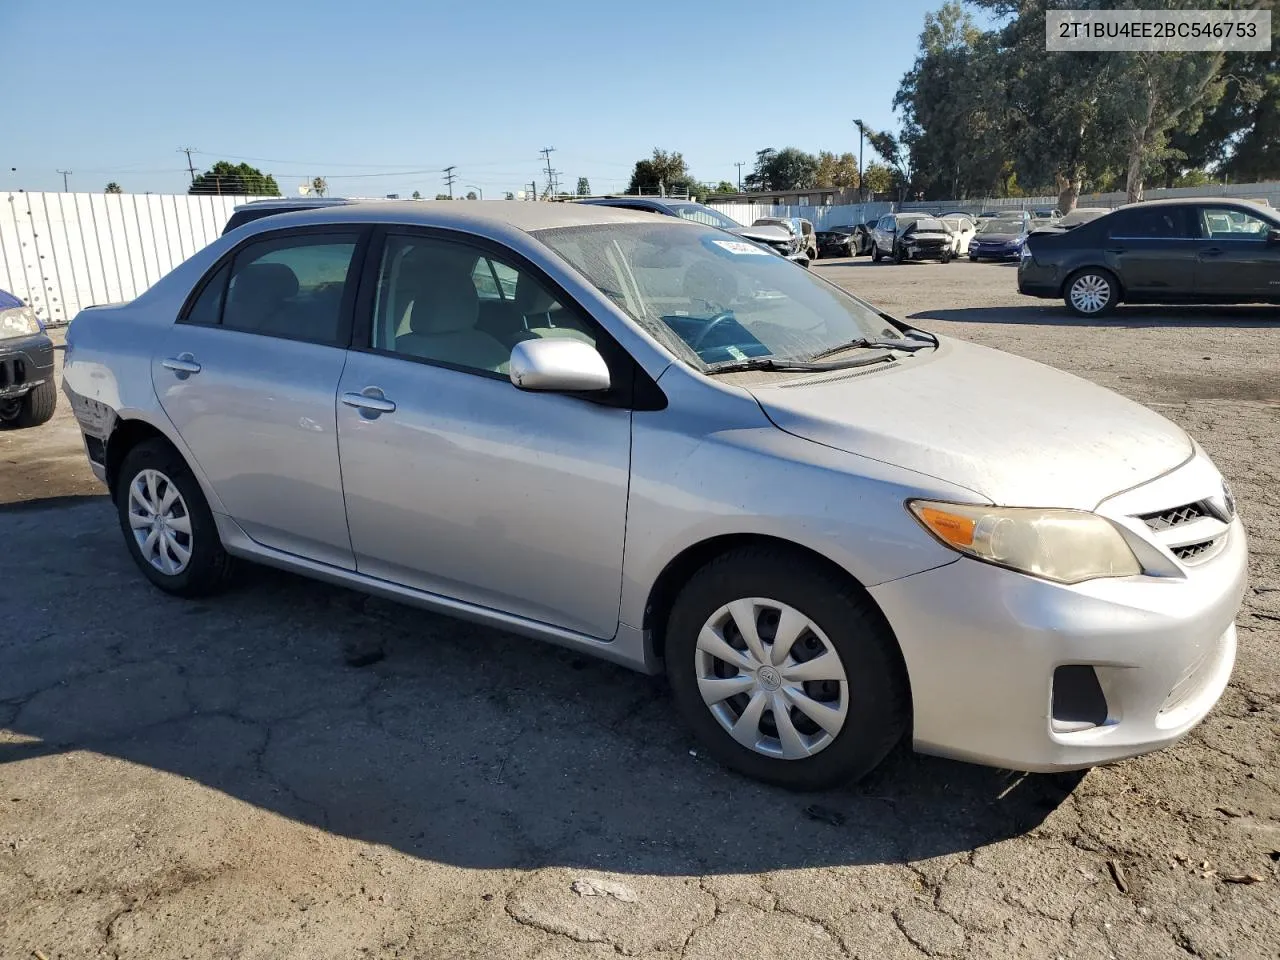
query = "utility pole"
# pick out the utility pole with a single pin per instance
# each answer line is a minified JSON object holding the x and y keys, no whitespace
{"x":739,"y":165}
{"x":551,"y":174}
{"x":190,"y":166}
{"x":862,"y":130}
{"x":449,"y":177}
{"x":533,"y":189}
{"x":65,"y":174}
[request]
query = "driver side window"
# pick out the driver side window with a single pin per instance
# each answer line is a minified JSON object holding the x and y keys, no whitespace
{"x":450,"y":303}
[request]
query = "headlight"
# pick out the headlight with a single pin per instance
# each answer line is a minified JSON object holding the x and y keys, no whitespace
{"x":1067,"y":546}
{"x":18,"y":322}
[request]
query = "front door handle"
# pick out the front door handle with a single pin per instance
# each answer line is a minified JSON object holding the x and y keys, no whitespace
{"x":183,"y":365}
{"x":1211,"y":252}
{"x":370,"y":401}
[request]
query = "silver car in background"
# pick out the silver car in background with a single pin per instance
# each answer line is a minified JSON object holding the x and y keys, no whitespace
{"x":657,"y":443}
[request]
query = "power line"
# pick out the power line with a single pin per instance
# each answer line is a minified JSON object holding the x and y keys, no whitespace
{"x":551,"y":174}
{"x":449,"y":177}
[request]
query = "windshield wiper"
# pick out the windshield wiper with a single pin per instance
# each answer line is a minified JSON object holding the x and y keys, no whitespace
{"x":775,"y":365}
{"x":869,"y":343}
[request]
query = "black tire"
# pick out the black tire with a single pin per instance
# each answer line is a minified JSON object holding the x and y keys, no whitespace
{"x":1098,"y":276}
{"x":946,"y":258}
{"x":875,"y":253}
{"x":879,"y":701}
{"x":32,"y":410}
{"x":898,"y":254}
{"x":210,"y":566}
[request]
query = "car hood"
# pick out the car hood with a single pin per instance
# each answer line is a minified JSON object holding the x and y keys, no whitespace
{"x":764,"y":232}
{"x":1014,"y":431}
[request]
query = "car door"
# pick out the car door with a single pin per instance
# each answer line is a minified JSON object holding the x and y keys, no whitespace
{"x":248,"y":376}
{"x":1152,"y":250}
{"x":457,"y":482}
{"x":1237,"y":257}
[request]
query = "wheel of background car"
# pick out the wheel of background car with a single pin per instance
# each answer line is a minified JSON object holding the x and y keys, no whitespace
{"x":785,"y":670}
{"x":898,"y":253}
{"x":32,"y":410}
{"x":1091,"y":292}
{"x":712,"y":323}
{"x":167,"y":523}
{"x":875,"y":253}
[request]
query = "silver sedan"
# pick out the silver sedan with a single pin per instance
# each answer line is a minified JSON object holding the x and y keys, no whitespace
{"x":652,"y":441}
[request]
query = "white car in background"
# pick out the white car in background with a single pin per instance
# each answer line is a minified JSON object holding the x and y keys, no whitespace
{"x":962,"y":231}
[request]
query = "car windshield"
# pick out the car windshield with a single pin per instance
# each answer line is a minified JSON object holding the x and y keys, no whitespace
{"x":712,"y":298}
{"x":1077,"y":217}
{"x":1000,"y":226}
{"x":704,"y":215}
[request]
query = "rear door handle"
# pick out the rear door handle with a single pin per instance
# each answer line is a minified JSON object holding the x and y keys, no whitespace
{"x":183,"y":365}
{"x":370,"y":402}
{"x":1211,"y":252}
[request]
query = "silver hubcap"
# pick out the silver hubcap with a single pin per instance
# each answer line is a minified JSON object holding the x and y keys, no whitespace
{"x":1090,"y":293}
{"x":160,"y":522}
{"x":771,"y":678}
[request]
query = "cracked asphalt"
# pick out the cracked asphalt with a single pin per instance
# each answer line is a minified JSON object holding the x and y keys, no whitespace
{"x":212,"y":780}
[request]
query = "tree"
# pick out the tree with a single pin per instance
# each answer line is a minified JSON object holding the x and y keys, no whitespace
{"x":471,"y":195}
{"x":785,"y":169}
{"x":877,"y":177}
{"x":417,"y":195}
{"x":836,"y":171}
{"x":896,"y":155}
{"x":662,"y":173}
{"x":235,"y":178}
{"x":319,"y":186}
{"x":443,"y":196}
{"x":724,"y":186}
{"x":113,"y":187}
{"x":584,"y":187}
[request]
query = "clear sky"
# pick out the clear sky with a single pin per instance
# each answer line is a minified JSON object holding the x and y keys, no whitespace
{"x":379,"y":95}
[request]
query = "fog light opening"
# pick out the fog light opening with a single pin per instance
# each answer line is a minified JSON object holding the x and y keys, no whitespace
{"x":1078,"y":702}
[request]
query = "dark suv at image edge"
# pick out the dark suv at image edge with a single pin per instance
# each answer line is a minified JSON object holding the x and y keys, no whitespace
{"x":28,"y":396}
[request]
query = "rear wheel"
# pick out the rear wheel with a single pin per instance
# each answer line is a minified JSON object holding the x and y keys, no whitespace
{"x":32,"y":410}
{"x":1091,"y":292}
{"x":167,"y":524}
{"x":785,"y":670}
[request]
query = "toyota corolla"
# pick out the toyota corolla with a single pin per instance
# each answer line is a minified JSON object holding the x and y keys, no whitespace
{"x":657,"y":443}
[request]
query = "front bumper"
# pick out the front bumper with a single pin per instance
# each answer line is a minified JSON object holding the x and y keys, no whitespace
{"x":25,"y":363}
{"x":982,"y":645}
{"x":994,"y":252}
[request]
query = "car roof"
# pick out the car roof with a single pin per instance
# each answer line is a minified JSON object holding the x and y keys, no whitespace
{"x":523,"y":215}
{"x":1178,"y":201}
{"x":614,"y":201}
{"x":293,"y":203}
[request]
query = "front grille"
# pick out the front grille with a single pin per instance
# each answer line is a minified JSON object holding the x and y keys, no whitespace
{"x":1192,"y":551}
{"x":12,"y":372}
{"x":1166,"y":519}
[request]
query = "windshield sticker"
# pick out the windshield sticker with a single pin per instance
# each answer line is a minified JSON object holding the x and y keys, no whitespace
{"x":736,"y":353}
{"x":742,"y":249}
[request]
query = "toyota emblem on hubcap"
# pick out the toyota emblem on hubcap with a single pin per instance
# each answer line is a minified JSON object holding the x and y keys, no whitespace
{"x":768,"y":678}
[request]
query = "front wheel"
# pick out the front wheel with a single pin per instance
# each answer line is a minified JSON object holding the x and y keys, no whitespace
{"x":899,"y":255}
{"x":167,"y":524}
{"x":876,"y":256}
{"x":786,"y":670}
{"x":31,"y":410}
{"x":1091,"y":292}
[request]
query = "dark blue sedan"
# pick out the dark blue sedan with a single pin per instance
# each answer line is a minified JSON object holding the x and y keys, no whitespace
{"x":999,"y":238}
{"x":27,"y":392}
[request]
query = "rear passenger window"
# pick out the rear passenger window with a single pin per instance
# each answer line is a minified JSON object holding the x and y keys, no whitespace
{"x":207,"y":310}
{"x":291,"y":287}
{"x":1152,"y":223}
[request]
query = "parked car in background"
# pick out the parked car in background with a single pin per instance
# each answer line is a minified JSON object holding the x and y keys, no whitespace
{"x":962,"y":230}
{"x":1044,"y":213}
{"x":912,"y":236}
{"x":999,"y":239}
{"x":798,"y":227}
{"x":28,"y":396}
{"x":863,"y":233}
{"x":1162,"y":251}
{"x":837,"y":242}
{"x":778,"y":238}
{"x":1078,"y":216}
{"x":821,"y":564}
{"x":256,"y":209}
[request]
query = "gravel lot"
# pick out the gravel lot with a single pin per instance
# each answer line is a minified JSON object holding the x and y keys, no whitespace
{"x":212,"y":780}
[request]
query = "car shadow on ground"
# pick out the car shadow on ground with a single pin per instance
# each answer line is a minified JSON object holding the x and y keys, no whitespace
{"x":463,"y":745}
{"x":1135,"y":317}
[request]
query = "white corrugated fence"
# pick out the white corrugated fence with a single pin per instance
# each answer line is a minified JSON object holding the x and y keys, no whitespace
{"x":61,"y":252}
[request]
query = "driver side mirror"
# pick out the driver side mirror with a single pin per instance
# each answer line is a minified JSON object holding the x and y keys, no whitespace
{"x":558,"y":365}
{"x":1273,"y":235}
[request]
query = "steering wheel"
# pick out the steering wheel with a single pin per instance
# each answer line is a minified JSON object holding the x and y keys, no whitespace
{"x":712,"y":322}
